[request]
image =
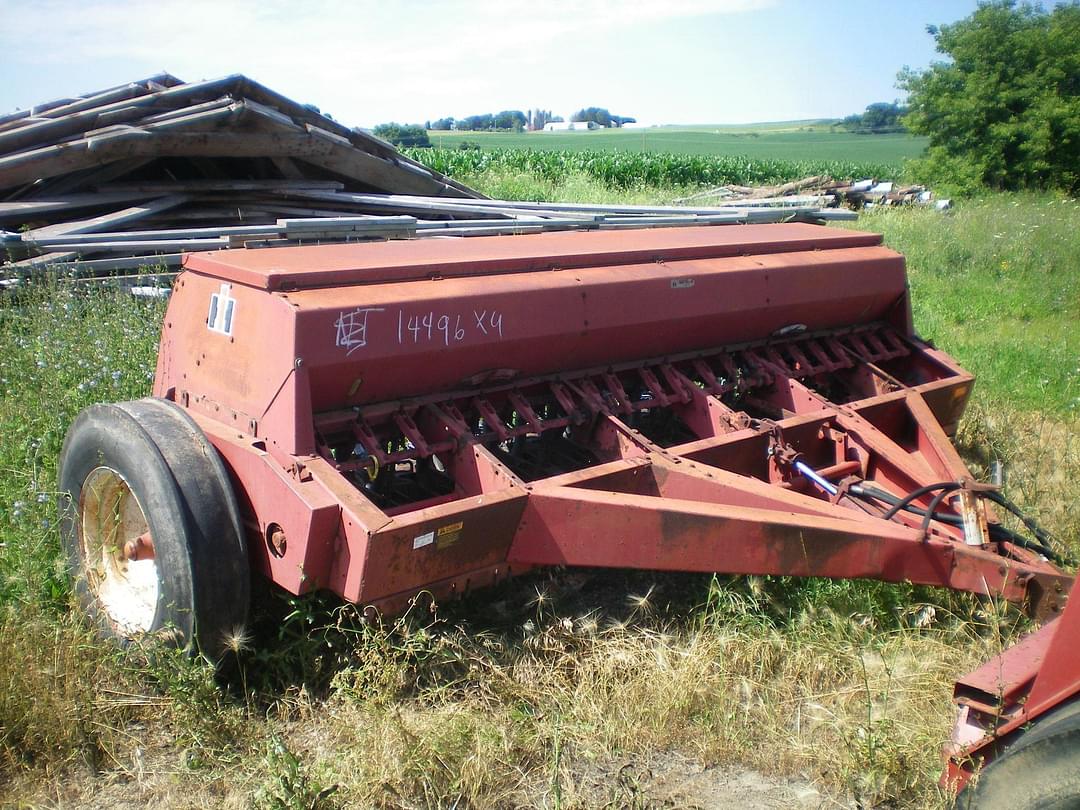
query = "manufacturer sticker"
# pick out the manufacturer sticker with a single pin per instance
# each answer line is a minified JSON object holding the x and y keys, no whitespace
{"x":682,"y":283}
{"x":222,"y":312}
{"x":422,"y":540}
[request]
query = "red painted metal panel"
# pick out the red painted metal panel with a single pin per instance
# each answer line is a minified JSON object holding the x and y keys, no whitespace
{"x":433,"y":336}
{"x":337,"y":265}
{"x":441,"y":542}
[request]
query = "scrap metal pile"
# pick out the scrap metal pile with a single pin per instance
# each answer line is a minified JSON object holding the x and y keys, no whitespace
{"x":136,"y":175}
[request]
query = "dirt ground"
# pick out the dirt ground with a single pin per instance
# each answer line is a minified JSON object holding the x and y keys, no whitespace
{"x":663,"y":782}
{"x":675,"y":781}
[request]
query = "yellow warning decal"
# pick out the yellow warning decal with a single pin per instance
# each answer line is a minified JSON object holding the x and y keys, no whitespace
{"x":449,"y":534}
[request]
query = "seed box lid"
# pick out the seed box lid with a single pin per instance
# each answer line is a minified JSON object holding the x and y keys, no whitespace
{"x":308,"y":267}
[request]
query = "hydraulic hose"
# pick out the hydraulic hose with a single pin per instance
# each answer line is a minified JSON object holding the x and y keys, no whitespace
{"x":931,"y":510}
{"x":1009,"y":506}
{"x":999,"y":533}
{"x":914,"y":495}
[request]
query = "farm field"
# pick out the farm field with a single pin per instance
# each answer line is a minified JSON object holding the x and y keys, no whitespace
{"x":568,"y":689}
{"x":534,"y":171}
{"x":788,"y":141}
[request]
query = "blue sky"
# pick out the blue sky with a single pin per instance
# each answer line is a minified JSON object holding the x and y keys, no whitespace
{"x":370,"y":61}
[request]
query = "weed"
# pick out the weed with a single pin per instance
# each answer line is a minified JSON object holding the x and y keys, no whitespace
{"x":288,"y":785}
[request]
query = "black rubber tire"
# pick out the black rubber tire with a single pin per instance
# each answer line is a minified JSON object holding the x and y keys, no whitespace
{"x":1040,"y":770}
{"x":183,"y":489}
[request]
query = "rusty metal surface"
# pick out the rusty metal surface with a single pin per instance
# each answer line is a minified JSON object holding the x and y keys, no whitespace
{"x":997,"y":701}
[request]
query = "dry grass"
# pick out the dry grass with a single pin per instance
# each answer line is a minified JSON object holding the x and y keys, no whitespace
{"x":517,"y":713}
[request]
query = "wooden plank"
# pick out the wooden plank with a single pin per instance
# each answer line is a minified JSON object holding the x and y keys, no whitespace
{"x":196,"y":117}
{"x":200,"y":186}
{"x":105,"y":221}
{"x":209,"y":144}
{"x":791,"y":199}
{"x":35,"y":112}
{"x":296,"y":211}
{"x":832,"y":215}
{"x":30,"y":208}
{"x":52,"y":129}
{"x":38,"y":262}
{"x":121,"y":92}
{"x":52,"y":161}
{"x":374,"y":171}
{"x":90,"y":178}
{"x":326,"y":134}
{"x":99,"y":98}
{"x":161,"y":281}
{"x":95,"y":266}
{"x":351,"y":223}
{"x":288,"y":168}
{"x":361,"y":141}
{"x":489,"y":231}
{"x":274,"y":116}
{"x":241,"y":213}
{"x":125,"y":116}
{"x":347,"y":161}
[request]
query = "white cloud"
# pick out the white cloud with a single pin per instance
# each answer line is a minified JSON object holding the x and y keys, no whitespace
{"x":363,"y":60}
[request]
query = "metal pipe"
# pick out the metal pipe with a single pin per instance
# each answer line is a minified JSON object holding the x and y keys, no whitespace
{"x":813,"y":476}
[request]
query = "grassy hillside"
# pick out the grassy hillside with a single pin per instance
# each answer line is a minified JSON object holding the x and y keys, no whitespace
{"x":556,"y":690}
{"x":771,"y":142}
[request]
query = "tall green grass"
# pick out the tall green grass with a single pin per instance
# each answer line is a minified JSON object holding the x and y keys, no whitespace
{"x":996,"y":283}
{"x":62,"y":349}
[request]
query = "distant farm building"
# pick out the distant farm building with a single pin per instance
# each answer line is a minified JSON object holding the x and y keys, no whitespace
{"x":559,"y":126}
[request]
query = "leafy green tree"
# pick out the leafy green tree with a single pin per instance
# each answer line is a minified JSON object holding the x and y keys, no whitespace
{"x":477,"y":122}
{"x":601,"y":116}
{"x":510,"y":119}
{"x":1005,"y":111}
{"x":880,"y":117}
{"x":402,"y":134}
{"x":597,"y":114}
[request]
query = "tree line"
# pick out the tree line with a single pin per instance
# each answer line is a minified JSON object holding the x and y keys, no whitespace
{"x":505,"y":121}
{"x":878,"y":118}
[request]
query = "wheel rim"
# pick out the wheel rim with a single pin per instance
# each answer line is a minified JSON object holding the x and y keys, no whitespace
{"x":118,"y":552}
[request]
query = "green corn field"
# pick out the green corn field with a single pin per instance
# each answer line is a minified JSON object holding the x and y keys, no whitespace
{"x":625,"y":170}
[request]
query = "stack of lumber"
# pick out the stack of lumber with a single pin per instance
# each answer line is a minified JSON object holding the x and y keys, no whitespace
{"x":821,"y":190}
{"x":868,"y":193}
{"x":134,"y":176}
